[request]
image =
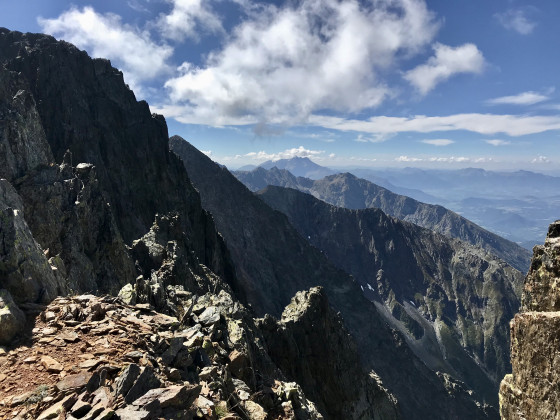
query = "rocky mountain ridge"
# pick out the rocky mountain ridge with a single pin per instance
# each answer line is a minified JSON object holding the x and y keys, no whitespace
{"x":252,"y":230}
{"x":452,"y":301}
{"x":92,"y":201}
{"x":349,"y":191}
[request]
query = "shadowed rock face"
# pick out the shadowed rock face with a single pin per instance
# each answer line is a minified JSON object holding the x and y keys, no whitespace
{"x":91,"y":166}
{"x":532,"y":391}
{"x":452,"y":301}
{"x":273,"y":262}
{"x":333,"y":374}
{"x":346,"y":190}
{"x":84,"y":106}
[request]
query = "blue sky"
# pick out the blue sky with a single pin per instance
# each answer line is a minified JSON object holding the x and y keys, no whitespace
{"x":435,"y":83}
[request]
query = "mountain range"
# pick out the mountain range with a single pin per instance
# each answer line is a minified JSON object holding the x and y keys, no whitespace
{"x":515,"y":205}
{"x":346,"y":190}
{"x":277,"y":305}
{"x":434,"y":299}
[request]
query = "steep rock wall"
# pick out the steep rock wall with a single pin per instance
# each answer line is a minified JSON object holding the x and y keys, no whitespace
{"x":532,"y":391}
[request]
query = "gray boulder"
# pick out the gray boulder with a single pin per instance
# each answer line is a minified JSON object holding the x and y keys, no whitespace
{"x":24,"y":269}
{"x":12,"y":319}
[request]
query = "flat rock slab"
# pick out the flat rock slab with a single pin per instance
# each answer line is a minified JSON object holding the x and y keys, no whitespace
{"x":51,"y":365}
{"x":91,"y":364}
{"x":211,"y":315}
{"x":55,"y":411}
{"x":130,"y":414}
{"x":79,"y":380}
{"x":179,"y":396}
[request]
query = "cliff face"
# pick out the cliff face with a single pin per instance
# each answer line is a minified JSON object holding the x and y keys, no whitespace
{"x":346,"y":190}
{"x":91,"y":166}
{"x":452,"y":301}
{"x":532,"y":391}
{"x":334,"y":375}
{"x":273,"y":262}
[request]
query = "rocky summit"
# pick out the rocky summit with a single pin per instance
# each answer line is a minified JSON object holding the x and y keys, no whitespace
{"x":531,"y":391}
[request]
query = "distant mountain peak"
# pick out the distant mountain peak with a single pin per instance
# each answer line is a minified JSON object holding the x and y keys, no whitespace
{"x":299,"y":166}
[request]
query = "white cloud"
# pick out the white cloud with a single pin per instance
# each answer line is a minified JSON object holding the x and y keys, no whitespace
{"x":186,"y":17}
{"x":517,"y":20}
{"x":438,"y":142}
{"x":498,"y":142}
{"x":541,"y":159}
{"x":104,"y":35}
{"x":488,"y":124}
{"x":282,"y":64}
{"x":286,"y":154}
{"x":137,"y":5}
{"x":450,"y":159}
{"x":446,"y":62}
{"x":408,"y":159}
{"x":207,"y":152}
{"x":524,"y":98}
{"x":373,"y":138}
{"x":444,"y":159}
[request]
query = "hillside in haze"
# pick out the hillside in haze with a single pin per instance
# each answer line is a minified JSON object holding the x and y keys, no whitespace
{"x":346,"y":190}
{"x":299,"y":166}
{"x":515,"y":205}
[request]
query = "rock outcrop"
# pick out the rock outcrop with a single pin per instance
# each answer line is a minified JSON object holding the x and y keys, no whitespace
{"x":119,"y":172}
{"x":532,"y":391}
{"x":334,"y":374}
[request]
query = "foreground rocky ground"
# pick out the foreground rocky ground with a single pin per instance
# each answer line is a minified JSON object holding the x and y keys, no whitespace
{"x":532,"y":391}
{"x":90,"y":357}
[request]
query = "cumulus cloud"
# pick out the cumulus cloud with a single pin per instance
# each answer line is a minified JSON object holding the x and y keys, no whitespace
{"x":446,"y":62}
{"x":517,"y":20}
{"x":408,"y":159}
{"x":541,"y":159}
{"x":104,"y":35}
{"x":488,"y":124}
{"x":286,"y":154}
{"x":438,"y":142}
{"x":498,"y":142}
{"x":282,"y":64}
{"x":524,"y":98}
{"x":186,"y":17}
